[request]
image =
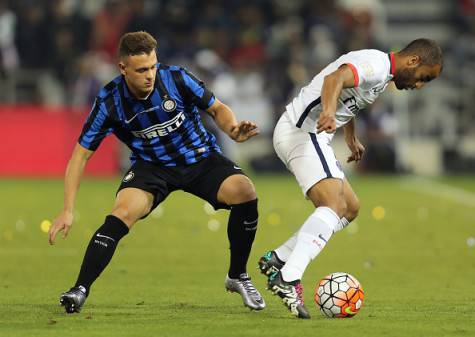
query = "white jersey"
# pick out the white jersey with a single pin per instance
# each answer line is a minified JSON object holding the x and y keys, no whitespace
{"x":372,"y":69}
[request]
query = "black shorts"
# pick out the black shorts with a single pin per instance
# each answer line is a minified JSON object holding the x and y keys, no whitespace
{"x":202,"y":179}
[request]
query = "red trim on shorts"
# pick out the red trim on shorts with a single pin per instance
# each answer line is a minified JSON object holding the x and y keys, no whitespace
{"x":355,"y":74}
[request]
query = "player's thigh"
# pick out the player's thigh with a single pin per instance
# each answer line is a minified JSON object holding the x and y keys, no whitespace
{"x":131,"y":204}
{"x":314,"y":165}
{"x":352,"y":201}
{"x":221,"y":182}
{"x":142,"y":180}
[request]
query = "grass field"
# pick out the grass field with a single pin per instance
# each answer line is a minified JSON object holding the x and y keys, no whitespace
{"x":415,"y":260}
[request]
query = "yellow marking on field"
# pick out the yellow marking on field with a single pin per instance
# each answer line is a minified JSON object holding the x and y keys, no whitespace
{"x":45,"y":225}
{"x":378,"y":213}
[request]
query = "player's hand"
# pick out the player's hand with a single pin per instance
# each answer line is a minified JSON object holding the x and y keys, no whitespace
{"x":243,"y":131}
{"x":63,"y":223}
{"x":357,"y":149}
{"x":326,"y":122}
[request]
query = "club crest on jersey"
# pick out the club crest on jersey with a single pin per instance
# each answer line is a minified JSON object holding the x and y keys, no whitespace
{"x":129,"y":176}
{"x":169,"y":104}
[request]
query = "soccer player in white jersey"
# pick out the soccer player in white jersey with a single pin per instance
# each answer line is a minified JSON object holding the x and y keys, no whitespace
{"x":302,"y":140}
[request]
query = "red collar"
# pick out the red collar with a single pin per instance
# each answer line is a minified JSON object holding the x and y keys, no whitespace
{"x":393,"y":63}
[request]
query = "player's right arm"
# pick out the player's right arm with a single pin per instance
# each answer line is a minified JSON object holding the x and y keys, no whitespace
{"x":333,"y":84}
{"x":96,"y":128}
{"x":72,"y":180}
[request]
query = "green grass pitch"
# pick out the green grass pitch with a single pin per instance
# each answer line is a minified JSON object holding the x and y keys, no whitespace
{"x":415,"y":261}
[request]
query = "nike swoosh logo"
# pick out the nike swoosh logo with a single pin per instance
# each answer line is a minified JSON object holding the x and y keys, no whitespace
{"x":237,"y":167}
{"x":321,"y":237}
{"x":104,"y":236}
{"x":127,"y":121}
{"x":348,"y":311}
{"x":250,"y":222}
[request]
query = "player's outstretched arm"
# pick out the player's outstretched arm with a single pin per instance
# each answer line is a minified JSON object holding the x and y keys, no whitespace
{"x":332,"y":85}
{"x":72,"y":179}
{"x":224,"y":118}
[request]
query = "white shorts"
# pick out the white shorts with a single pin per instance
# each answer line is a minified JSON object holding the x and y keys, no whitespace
{"x":308,"y":156}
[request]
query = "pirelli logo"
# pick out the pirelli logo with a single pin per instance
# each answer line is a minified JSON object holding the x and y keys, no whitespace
{"x":162,"y":129}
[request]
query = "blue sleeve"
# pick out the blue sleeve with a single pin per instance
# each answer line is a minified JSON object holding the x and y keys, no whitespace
{"x":96,"y":127}
{"x":201,"y":96}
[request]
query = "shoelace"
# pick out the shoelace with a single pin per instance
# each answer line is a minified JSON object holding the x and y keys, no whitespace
{"x":248,"y":286}
{"x":299,"y":290}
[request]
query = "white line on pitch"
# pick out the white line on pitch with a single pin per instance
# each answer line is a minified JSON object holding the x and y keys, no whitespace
{"x":439,"y":190}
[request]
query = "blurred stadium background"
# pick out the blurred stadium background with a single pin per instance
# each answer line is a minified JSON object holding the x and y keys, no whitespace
{"x":255,"y":55}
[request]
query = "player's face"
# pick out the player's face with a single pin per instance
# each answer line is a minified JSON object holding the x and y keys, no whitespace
{"x":139,"y":72}
{"x":415,"y":77}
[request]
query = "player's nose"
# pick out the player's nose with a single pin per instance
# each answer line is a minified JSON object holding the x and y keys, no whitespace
{"x":149,"y":75}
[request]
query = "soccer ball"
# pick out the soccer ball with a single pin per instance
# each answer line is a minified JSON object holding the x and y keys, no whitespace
{"x":339,"y":295}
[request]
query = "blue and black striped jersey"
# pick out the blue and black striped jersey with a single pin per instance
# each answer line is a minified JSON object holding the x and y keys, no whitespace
{"x":165,"y":128}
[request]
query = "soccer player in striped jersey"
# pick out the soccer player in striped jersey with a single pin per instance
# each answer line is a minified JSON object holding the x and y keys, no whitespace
{"x":153,"y":109}
{"x":302,"y":140}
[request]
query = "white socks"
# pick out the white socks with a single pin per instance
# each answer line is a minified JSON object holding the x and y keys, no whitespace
{"x":309,"y":242}
{"x":284,"y":251}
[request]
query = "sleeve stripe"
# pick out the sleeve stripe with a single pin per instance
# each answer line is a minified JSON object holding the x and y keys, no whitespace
{"x":201,"y":102}
{"x":180,"y":84}
{"x":95,"y":129}
{"x":355,"y":74}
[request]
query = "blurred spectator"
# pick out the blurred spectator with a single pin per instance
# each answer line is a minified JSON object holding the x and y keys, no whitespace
{"x":32,"y":36}
{"x":364,"y":24}
{"x":108,"y":27}
{"x":8,"y":53}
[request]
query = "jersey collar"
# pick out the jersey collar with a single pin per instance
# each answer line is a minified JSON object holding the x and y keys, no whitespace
{"x":392,"y":63}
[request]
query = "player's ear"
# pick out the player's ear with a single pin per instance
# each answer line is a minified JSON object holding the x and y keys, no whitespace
{"x":413,"y":61}
{"x":122,"y":67}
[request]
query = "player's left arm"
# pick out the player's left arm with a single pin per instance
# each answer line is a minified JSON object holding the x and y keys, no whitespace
{"x":357,"y":149}
{"x":226,"y":120}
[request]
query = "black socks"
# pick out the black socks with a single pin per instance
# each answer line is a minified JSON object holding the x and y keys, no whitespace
{"x":242,"y":226}
{"x":100,"y":250}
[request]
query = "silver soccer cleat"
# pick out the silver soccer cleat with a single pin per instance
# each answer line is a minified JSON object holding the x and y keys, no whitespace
{"x":73,"y":299}
{"x":243,"y":285}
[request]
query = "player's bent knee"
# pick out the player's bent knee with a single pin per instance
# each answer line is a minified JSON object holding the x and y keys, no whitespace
{"x":342,"y":208}
{"x":353,"y":209}
{"x":124,"y":214}
{"x":237,"y":189}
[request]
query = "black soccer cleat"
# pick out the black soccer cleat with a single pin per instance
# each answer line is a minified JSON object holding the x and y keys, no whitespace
{"x":269,"y":263}
{"x":291,"y":294}
{"x":73,"y":300}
